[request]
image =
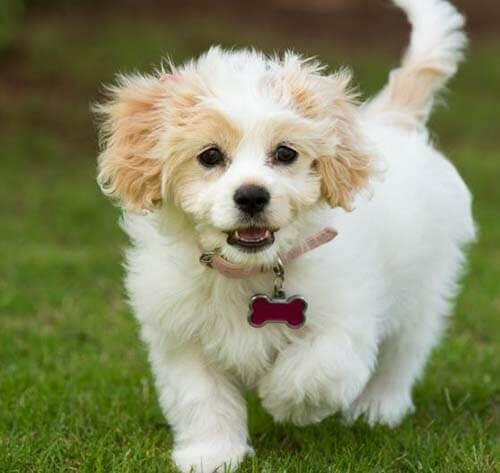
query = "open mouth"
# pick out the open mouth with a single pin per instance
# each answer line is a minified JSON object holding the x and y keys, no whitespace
{"x":251,"y":238}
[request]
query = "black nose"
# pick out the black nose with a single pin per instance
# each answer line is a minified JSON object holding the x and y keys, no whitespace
{"x":252,"y":199}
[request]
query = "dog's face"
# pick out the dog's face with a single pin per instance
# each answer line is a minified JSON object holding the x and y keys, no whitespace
{"x":242,"y":144}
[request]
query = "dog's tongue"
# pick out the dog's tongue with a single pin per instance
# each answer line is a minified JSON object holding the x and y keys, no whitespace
{"x":253,"y":234}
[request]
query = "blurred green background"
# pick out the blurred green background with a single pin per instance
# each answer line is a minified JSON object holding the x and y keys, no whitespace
{"x":75,"y":388}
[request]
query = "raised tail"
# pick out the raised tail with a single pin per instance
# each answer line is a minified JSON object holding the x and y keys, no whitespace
{"x":436,"y":48}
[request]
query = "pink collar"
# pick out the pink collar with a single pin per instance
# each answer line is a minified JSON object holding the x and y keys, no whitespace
{"x":236,"y":271}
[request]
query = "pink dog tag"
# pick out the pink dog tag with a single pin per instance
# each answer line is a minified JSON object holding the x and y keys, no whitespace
{"x":279,"y":308}
{"x":290,"y":311}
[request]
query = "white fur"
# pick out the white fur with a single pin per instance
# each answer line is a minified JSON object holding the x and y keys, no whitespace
{"x":436,"y":48}
{"x":378,"y":295}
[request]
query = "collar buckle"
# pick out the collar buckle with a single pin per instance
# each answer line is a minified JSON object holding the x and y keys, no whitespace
{"x":207,"y":258}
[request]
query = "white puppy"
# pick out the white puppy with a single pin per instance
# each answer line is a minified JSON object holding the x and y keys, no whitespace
{"x":247,"y":156}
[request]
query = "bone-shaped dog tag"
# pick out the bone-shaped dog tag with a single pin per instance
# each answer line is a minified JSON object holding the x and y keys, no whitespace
{"x":289,"y":311}
{"x":279,"y":308}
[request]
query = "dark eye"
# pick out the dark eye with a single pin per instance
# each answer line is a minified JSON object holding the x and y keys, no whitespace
{"x":211,"y":157}
{"x":285,"y":155}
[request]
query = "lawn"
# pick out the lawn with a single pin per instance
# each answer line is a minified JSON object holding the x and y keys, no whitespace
{"x":75,"y":388}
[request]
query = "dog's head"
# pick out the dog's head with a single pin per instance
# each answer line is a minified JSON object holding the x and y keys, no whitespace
{"x":242,"y":144}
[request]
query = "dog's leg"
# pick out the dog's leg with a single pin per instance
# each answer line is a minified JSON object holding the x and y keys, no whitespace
{"x":206,"y":411}
{"x":387,"y":397}
{"x":318,"y":376}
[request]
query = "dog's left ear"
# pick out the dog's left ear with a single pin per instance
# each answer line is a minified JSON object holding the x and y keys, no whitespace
{"x":349,"y":167}
{"x":129,"y":168}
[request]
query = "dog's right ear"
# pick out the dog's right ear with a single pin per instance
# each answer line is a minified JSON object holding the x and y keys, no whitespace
{"x":130,"y":165}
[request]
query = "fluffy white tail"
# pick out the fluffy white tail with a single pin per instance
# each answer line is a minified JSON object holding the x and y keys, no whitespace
{"x":436,"y":48}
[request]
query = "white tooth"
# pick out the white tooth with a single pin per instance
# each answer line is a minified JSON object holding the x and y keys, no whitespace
{"x":237,"y":235}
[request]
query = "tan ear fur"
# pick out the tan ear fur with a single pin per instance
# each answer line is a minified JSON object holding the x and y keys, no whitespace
{"x":348,"y":170}
{"x":128,"y":169}
{"x":330,"y":101}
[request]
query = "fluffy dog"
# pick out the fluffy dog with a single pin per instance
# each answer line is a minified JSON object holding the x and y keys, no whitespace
{"x":242,"y":157}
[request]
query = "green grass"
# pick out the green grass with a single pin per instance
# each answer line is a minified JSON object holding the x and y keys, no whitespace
{"x":75,"y":389}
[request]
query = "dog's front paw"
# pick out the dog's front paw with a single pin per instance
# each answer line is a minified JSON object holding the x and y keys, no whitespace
{"x":311,"y":382}
{"x":210,"y":457}
{"x":380,"y":405}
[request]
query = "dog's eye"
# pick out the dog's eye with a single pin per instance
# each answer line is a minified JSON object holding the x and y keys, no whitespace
{"x":285,"y":155}
{"x":211,"y":157}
